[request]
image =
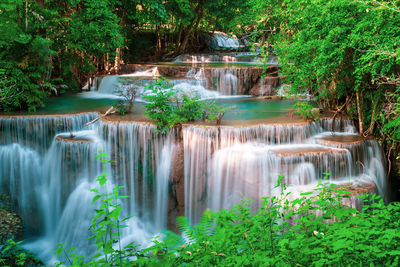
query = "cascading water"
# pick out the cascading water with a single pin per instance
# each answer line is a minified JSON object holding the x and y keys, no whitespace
{"x":227,"y":164}
{"x":51,"y":175}
{"x":37,"y":132}
{"x":47,"y":163}
{"x":221,"y":41}
{"x":248,"y":57}
{"x":19,"y":171}
{"x":50,"y":184}
{"x":143,"y":164}
{"x":162,"y":181}
{"x":226,"y":81}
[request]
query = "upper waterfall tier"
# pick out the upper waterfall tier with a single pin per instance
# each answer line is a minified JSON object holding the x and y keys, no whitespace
{"x":221,"y":78}
{"x":227,"y":57}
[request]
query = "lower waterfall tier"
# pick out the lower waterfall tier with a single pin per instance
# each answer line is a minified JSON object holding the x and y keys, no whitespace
{"x":48,"y":170}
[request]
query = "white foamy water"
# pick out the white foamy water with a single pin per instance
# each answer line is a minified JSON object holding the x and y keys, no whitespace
{"x":221,"y":165}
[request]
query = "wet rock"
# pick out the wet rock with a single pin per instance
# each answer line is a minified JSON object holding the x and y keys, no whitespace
{"x":176,"y":201}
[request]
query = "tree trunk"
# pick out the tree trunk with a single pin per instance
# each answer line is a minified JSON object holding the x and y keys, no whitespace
{"x":186,"y":34}
{"x":26,"y":15}
{"x":107,"y":63}
{"x":18,"y":17}
{"x":215,"y":25}
{"x":192,"y":27}
{"x":117,"y":60}
{"x":263,"y":39}
{"x":178,"y":39}
{"x":158,"y":41}
{"x":360,"y":118}
{"x":371,"y":128}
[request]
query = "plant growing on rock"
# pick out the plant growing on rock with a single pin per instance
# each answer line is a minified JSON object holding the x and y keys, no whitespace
{"x":306,"y":111}
{"x":159,"y":107}
{"x":168,"y":109}
{"x":212,"y":112}
{"x":10,"y":223}
{"x":129,"y":94}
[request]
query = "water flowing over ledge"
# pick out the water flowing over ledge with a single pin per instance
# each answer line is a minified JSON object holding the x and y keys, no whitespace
{"x":47,"y":166}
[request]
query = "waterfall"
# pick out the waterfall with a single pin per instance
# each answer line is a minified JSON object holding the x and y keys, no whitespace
{"x":199,"y":145}
{"x":226,"y":164}
{"x":143,"y":163}
{"x":47,"y":166}
{"x":108,"y":84}
{"x":19,"y":174}
{"x":225,"y":57}
{"x":49,"y":182}
{"x":37,"y":131}
{"x":227,"y":81}
{"x":163,"y":171}
{"x":221,"y":41}
{"x":67,"y":163}
{"x":195,"y":91}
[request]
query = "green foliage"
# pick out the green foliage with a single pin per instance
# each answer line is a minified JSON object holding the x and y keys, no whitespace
{"x":160,"y":108}
{"x":306,"y":110}
{"x":168,"y":109}
{"x":40,"y":43}
{"x":17,"y":91}
{"x":313,"y":229}
{"x":11,"y":253}
{"x":390,"y":118}
{"x":337,"y":50}
{"x":213,"y":112}
{"x":120,"y":106}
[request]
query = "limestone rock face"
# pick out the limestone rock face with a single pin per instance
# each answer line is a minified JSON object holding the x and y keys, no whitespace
{"x":176,"y":201}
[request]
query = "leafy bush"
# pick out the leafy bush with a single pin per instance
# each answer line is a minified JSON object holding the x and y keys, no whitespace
{"x":17,"y":91}
{"x":212,"y":112}
{"x":120,"y":106}
{"x":160,"y":109}
{"x":167,"y":109}
{"x":12,"y":254}
{"x":296,"y":233}
{"x":306,"y":111}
